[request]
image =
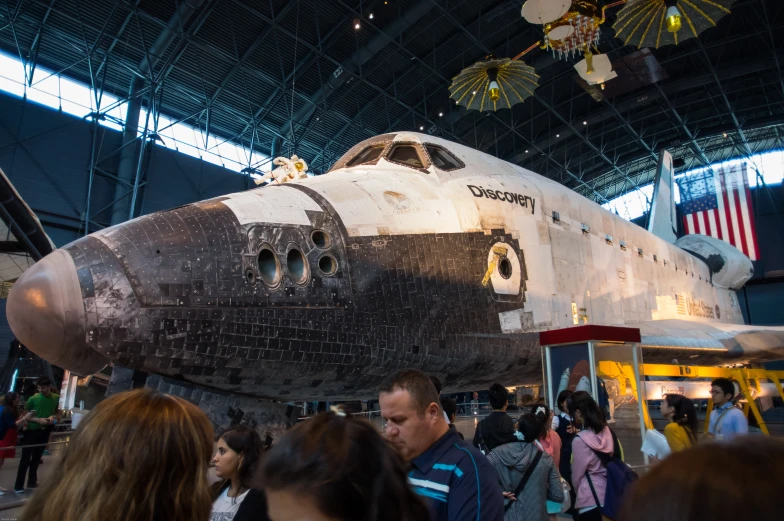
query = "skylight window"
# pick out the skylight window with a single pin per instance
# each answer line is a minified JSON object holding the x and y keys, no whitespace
{"x":635,"y":203}
{"x":77,"y":99}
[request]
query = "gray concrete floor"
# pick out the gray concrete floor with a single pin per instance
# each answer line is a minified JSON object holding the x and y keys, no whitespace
{"x":11,"y":504}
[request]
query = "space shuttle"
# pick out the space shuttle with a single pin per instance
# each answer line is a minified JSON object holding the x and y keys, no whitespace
{"x":412,"y":251}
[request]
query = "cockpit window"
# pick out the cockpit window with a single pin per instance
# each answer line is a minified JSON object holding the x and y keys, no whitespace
{"x":442,"y":158}
{"x":406,"y":155}
{"x":368,"y":155}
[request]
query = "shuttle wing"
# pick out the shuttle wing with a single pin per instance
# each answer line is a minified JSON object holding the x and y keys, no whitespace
{"x":735,"y":343}
{"x":23,"y":240}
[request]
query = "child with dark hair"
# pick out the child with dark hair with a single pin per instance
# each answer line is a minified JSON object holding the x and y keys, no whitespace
{"x":336,"y":467}
{"x":548,"y":439}
{"x":681,"y":432}
{"x":564,"y":426}
{"x":498,"y":428}
{"x":236,"y":461}
{"x":528,"y":475}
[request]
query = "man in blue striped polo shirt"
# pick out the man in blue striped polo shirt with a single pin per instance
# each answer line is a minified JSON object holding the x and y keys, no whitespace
{"x":453,"y":477}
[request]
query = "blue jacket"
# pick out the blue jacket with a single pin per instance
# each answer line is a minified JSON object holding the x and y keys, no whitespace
{"x":457,"y":481}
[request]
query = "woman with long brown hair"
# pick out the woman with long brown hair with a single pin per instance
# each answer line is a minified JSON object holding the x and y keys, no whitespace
{"x":10,"y":423}
{"x":681,"y":432}
{"x":333,"y":467}
{"x":238,"y":496}
{"x":138,"y":456}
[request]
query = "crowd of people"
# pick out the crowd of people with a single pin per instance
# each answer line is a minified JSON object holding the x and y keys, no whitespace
{"x":143,"y":455}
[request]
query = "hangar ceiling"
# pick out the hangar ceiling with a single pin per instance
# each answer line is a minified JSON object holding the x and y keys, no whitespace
{"x":298,"y":75}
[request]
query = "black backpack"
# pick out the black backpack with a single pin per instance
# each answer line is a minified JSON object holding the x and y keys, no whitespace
{"x":482,"y":443}
{"x":620,"y":479}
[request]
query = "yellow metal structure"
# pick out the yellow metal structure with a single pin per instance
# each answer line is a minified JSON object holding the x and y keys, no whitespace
{"x":707,"y":415}
{"x":746,"y":377}
{"x":622,"y":371}
{"x":775,"y":379}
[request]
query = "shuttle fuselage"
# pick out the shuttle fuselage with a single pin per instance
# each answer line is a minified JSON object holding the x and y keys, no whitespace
{"x":321,"y":287}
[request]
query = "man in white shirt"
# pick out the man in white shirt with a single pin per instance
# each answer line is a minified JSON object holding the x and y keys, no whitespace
{"x":726,"y":421}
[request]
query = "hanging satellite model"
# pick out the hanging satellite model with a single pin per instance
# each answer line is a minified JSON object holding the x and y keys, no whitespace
{"x":545,"y":11}
{"x":572,"y":28}
{"x":654,"y":23}
{"x":494,"y":84}
{"x":595,"y":69}
{"x":576,"y":31}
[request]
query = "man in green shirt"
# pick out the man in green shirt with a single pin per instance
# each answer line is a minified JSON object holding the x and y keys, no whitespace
{"x":45,"y":405}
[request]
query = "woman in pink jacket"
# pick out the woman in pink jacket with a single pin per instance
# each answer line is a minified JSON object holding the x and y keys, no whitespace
{"x":594,"y":436}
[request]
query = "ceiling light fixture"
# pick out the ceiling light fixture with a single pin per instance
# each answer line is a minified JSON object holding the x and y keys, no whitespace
{"x":558,"y":135}
{"x":421,"y":128}
{"x":440,"y":114}
{"x":585,"y":122}
{"x":673,"y":17}
{"x":492,"y":89}
{"x":370,"y":16}
{"x":356,"y":24}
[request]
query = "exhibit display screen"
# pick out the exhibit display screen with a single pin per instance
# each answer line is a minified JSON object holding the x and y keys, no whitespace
{"x":569,"y":368}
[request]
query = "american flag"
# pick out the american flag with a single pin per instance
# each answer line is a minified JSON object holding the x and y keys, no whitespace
{"x":680,"y":302}
{"x":718,"y":203}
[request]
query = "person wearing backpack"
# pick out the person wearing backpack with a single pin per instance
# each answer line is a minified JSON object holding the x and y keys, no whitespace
{"x":527,"y":474}
{"x":595,"y":436}
{"x":498,"y":428}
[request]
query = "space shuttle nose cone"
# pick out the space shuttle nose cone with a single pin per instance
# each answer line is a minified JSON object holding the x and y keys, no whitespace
{"x":46,"y":313}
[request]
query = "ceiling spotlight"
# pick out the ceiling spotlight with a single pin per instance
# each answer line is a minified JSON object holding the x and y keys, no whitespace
{"x":673,"y":18}
{"x":440,"y":114}
{"x":495,"y":92}
{"x":725,"y":134}
{"x":356,"y":24}
{"x":585,"y":122}
{"x":421,"y":128}
{"x":558,"y":135}
{"x":526,"y":151}
{"x":474,"y":92}
{"x":370,"y":16}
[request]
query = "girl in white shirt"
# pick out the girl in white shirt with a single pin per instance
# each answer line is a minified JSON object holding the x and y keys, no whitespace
{"x":236,"y":460}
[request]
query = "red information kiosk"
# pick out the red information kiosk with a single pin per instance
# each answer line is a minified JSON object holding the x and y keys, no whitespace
{"x":604,"y":361}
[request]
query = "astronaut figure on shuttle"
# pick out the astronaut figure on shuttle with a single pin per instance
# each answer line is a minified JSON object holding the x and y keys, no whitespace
{"x":288,"y":170}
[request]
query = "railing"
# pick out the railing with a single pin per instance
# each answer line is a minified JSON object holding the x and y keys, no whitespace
{"x":61,"y":430}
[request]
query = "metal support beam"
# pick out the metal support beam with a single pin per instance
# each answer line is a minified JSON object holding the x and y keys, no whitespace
{"x":32,"y":56}
{"x":241,"y":61}
{"x":723,"y":93}
{"x":695,"y":146}
{"x":129,"y":161}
